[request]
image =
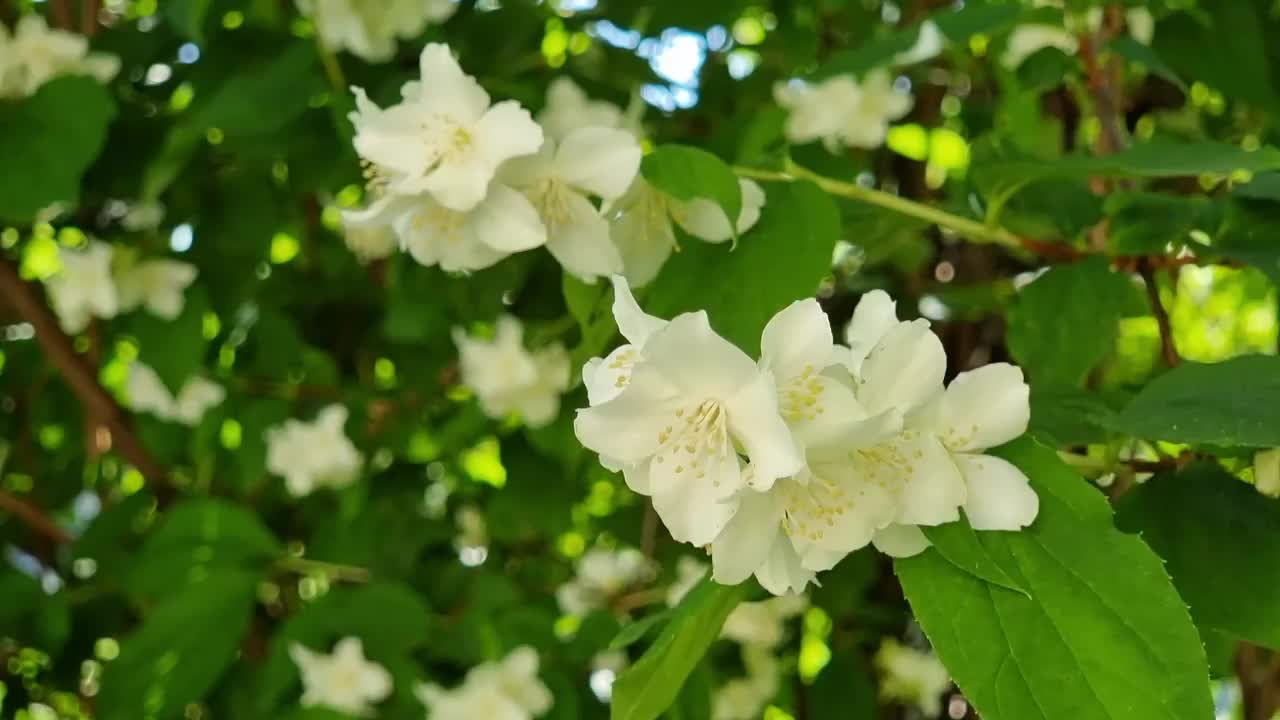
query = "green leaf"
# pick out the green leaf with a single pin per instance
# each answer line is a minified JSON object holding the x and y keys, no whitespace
{"x":960,"y":545}
{"x":1065,"y":415}
{"x":1220,"y":540}
{"x":650,"y":686}
{"x":188,"y":17}
{"x":582,"y":299}
{"x":1065,"y":322}
{"x":31,"y":616}
{"x":1103,"y":634}
{"x":180,"y":651}
{"x":1230,"y":404}
{"x":791,"y":246}
{"x":261,"y":98}
{"x":173,"y":348}
{"x":1239,"y":69}
{"x":1145,"y":223}
{"x":634,"y":632}
{"x":1135,"y":52}
{"x":844,"y":689}
{"x":687,"y":173}
{"x":197,"y":538}
{"x":48,"y":141}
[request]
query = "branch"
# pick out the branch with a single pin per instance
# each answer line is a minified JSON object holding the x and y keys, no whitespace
{"x":97,"y":402}
{"x":61,"y":11}
{"x":1167,"y":347}
{"x":33,"y":517}
{"x":89,"y":17}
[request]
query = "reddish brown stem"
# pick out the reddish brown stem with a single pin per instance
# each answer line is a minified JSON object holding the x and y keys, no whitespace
{"x":33,"y":517}
{"x":61,"y":12}
{"x":89,"y":17}
{"x":1167,"y":347}
{"x":82,"y":378}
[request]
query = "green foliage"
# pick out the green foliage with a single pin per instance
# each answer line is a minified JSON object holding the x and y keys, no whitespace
{"x":1099,"y":616}
{"x":688,"y":173}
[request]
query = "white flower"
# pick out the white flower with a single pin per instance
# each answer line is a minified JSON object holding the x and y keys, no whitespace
{"x":763,"y":623}
{"x":370,"y":29}
{"x":313,"y":455}
{"x":503,"y":223}
{"x":370,"y":241}
{"x":745,"y":698}
{"x":1266,"y":472}
{"x":507,"y":378}
{"x":568,"y":108}
{"x":912,"y":677}
{"x":641,"y":225}
{"x":84,"y":288}
{"x":156,"y":285}
{"x":148,"y":393}
{"x":605,"y":377}
{"x":505,"y":690}
{"x":559,"y":179}
{"x":1027,"y":40}
{"x":928,"y":45}
{"x":1138,"y":21}
{"x":36,"y":54}
{"x":808,"y":522}
{"x":689,"y":572}
{"x":934,"y":466}
{"x":602,"y":575}
{"x":344,"y":681}
{"x":443,"y":139}
{"x":841,"y":111}
{"x":690,"y":404}
{"x":143,"y":215}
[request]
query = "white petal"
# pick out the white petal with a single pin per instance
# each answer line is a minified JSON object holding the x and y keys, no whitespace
{"x":626,"y":428}
{"x":705,"y":219}
{"x":605,"y":378}
{"x":855,"y":509}
{"x":506,"y":221}
{"x":931,"y":487}
{"x":901,"y":541}
{"x":447,"y":88}
{"x":506,"y":131}
{"x":527,"y":170}
{"x":602,"y":161}
{"x":580,"y":243}
{"x":874,"y":316}
{"x":458,"y":182}
{"x":904,"y":370}
{"x":782,"y":572}
{"x":746,"y":542}
{"x":635,"y":324}
{"x":694,"y":512}
{"x":693,"y":357}
{"x":796,"y":339}
{"x":983,"y":408}
{"x":643,"y":233}
{"x":758,"y":427}
{"x":1000,"y":496}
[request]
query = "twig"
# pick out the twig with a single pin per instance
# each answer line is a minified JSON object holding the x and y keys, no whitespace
{"x":1167,"y":347}
{"x":336,"y":571}
{"x":97,"y":402}
{"x":89,"y":17}
{"x":649,"y":531}
{"x":61,"y":11}
{"x":33,"y":517}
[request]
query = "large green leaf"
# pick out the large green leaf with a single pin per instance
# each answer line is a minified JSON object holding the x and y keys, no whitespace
{"x":688,"y":173}
{"x":1232,"y":403}
{"x":1101,"y":634}
{"x":650,"y":686}
{"x":1066,"y":321}
{"x":1239,"y":69}
{"x":782,"y":259}
{"x":181,"y":650}
{"x":48,"y":141}
{"x":1220,"y":540}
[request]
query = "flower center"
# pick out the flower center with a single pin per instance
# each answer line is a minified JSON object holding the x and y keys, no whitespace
{"x":551,"y":197}
{"x":440,"y":222}
{"x":800,"y":397}
{"x":810,"y":508}
{"x":698,"y":438}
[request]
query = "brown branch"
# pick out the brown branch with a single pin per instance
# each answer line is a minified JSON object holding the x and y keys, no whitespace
{"x":61,"y":11}
{"x":97,"y":402}
{"x":1167,"y":347}
{"x":33,"y":517}
{"x":89,"y":17}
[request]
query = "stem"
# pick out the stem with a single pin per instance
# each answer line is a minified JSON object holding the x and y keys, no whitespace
{"x":97,"y":402}
{"x":61,"y":11}
{"x":89,"y":17}
{"x":1167,"y":347}
{"x":304,"y":566}
{"x":33,"y":517}
{"x":972,"y":229}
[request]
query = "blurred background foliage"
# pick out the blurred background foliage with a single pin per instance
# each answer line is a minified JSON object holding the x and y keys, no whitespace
{"x":179,"y":601}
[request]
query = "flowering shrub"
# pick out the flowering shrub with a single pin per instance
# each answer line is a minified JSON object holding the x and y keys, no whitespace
{"x":500,"y":360}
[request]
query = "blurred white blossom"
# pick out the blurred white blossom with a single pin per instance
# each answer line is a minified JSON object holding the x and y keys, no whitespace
{"x":507,"y":378}
{"x":369,"y":30}
{"x":1266,"y":472}
{"x":912,"y":677}
{"x":568,"y":108}
{"x":155,"y":285}
{"x":344,"y":680}
{"x":842,"y":111}
{"x":602,"y":575}
{"x":35,"y":54}
{"x":313,"y":455}
{"x":506,"y":690}
{"x":148,"y":393}
{"x":369,"y":242}
{"x":83,"y":288}
{"x":143,"y":215}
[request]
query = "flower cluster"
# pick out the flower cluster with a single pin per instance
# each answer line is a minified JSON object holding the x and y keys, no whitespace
{"x":841,"y":111}
{"x":602,"y":575}
{"x":786,"y":465}
{"x":505,"y":690}
{"x":97,"y":281}
{"x":1028,"y":39}
{"x":507,"y":378}
{"x":344,"y":680}
{"x":913,"y":677}
{"x":369,"y":30}
{"x":463,"y":183}
{"x":147,"y":393}
{"x":35,"y":54}
{"x":313,"y":455}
